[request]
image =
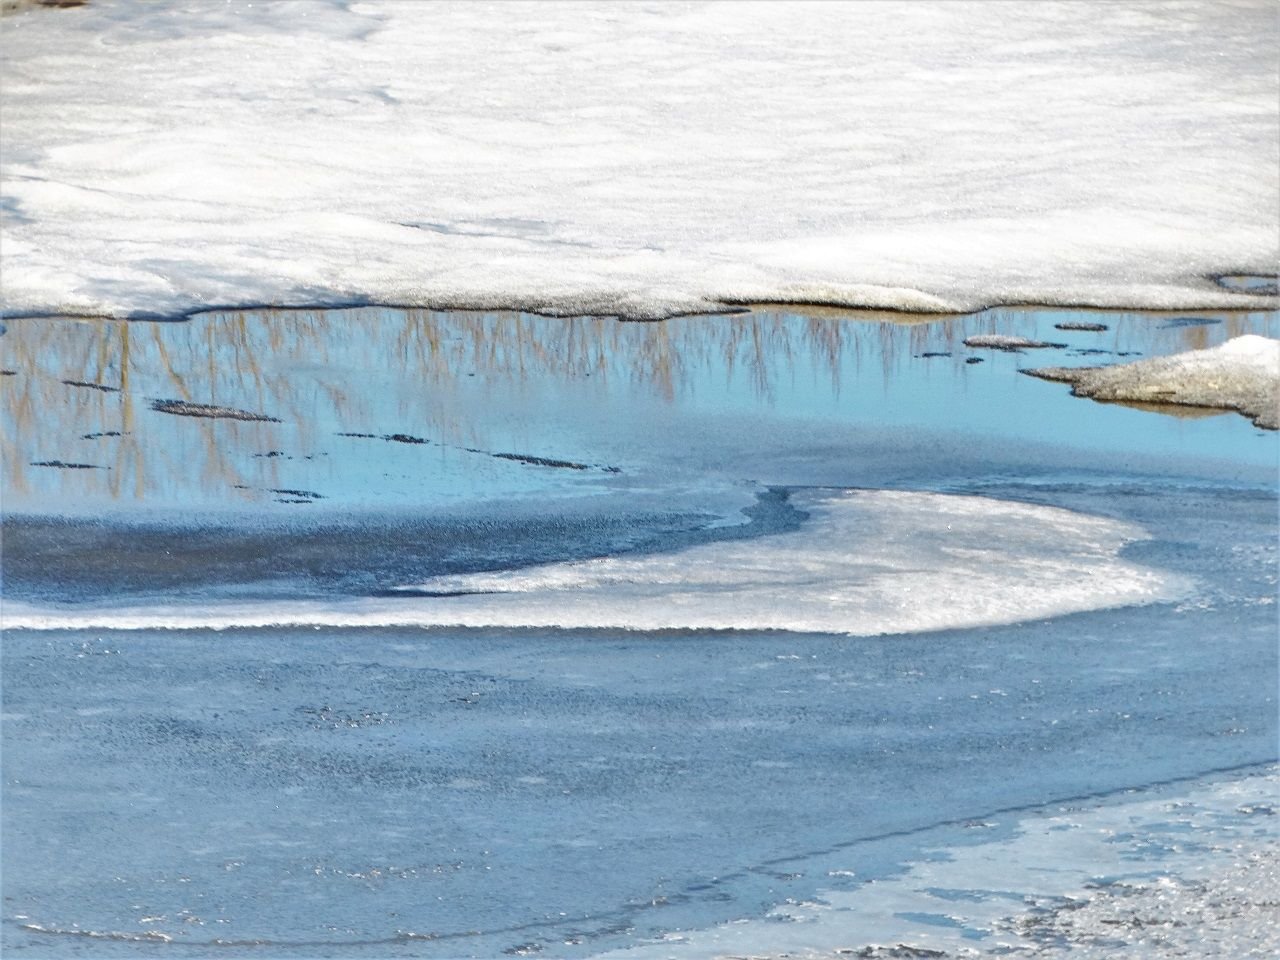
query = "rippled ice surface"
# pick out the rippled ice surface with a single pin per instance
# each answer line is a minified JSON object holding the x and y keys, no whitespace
{"x":326,"y":790}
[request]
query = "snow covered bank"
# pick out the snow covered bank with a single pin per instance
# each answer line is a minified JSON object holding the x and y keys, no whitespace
{"x":1242,"y":374}
{"x":865,"y":563}
{"x":642,"y":160}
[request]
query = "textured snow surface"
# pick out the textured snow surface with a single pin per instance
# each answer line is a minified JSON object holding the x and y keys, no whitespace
{"x":1242,"y":374}
{"x":638,"y":159}
{"x":864,"y":563}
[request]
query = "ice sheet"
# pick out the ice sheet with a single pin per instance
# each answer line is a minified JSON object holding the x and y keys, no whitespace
{"x":637,"y":159}
{"x":864,"y":563}
{"x":1188,"y":874}
{"x":1242,"y":374}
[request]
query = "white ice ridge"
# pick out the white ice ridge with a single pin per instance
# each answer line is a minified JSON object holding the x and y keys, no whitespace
{"x":864,"y":563}
{"x":640,"y":159}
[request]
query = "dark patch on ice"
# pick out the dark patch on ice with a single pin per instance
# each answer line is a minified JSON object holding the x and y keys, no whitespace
{"x":1189,"y":322}
{"x":63,"y":465}
{"x":11,"y":210}
{"x":363,"y":436}
{"x":183,"y":408}
{"x":902,"y":950}
{"x":91,"y":386}
{"x":933,"y":353}
{"x":99,"y":436}
{"x":1256,"y":284}
{"x":1251,"y":808}
{"x":403,"y":438}
{"x":1082,"y":326}
{"x":972,"y":360}
{"x":292,"y":500}
{"x":270,"y":454}
{"x":8,"y":373}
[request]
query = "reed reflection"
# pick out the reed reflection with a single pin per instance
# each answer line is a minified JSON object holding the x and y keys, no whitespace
{"x":81,"y":391}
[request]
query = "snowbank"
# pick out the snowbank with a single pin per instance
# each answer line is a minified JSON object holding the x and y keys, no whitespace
{"x":1242,"y":374}
{"x":637,"y":159}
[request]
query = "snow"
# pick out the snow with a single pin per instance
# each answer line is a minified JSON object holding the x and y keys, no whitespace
{"x":1242,"y":374}
{"x":866,"y":562}
{"x":637,"y":159}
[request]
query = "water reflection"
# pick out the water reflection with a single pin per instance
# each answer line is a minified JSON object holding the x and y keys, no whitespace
{"x":474,"y":384}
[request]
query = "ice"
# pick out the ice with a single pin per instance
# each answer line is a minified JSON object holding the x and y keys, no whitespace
{"x":637,"y":160}
{"x":1000,"y":341}
{"x":1242,"y":374}
{"x":866,"y":562}
{"x":1193,"y":873}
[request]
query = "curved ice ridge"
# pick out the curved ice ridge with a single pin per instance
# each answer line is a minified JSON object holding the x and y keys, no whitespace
{"x":866,"y":562}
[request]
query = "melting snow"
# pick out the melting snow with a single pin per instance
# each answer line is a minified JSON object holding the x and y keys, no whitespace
{"x":1242,"y":374}
{"x":637,"y":159}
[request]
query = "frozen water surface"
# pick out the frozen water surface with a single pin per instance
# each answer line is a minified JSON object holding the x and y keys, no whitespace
{"x":638,"y":159}
{"x":1100,"y":618}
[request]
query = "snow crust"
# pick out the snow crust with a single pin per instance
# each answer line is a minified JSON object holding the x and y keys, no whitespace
{"x":1242,"y":374}
{"x":637,"y":159}
{"x":864,"y":563}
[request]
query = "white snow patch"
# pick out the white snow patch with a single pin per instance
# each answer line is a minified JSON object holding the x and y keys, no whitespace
{"x":638,"y":159}
{"x":1242,"y":374}
{"x":864,"y":563}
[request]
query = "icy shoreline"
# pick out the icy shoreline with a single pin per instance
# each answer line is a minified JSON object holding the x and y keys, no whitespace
{"x":618,"y":160}
{"x":1242,"y":374}
{"x":1192,"y":871}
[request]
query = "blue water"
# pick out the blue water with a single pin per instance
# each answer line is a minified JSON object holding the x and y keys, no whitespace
{"x":444,"y":793}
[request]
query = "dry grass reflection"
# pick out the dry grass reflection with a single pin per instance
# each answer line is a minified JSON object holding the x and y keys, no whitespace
{"x":319,"y":372}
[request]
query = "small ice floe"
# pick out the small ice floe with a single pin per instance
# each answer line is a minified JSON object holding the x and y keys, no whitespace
{"x":1000,"y":341}
{"x":1242,"y":374}
{"x":182,"y":408}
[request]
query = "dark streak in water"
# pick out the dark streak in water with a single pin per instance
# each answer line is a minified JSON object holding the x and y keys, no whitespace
{"x":307,"y":494}
{"x":539,"y":461}
{"x":91,"y":386}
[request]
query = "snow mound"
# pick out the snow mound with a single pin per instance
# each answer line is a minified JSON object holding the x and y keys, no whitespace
{"x":1242,"y":374}
{"x":640,"y":160}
